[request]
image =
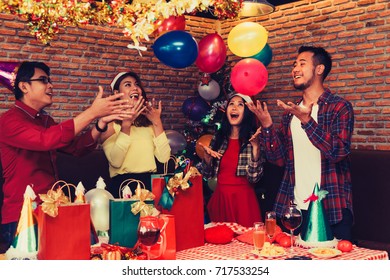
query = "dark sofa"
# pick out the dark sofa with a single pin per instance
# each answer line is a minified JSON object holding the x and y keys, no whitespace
{"x":370,"y":178}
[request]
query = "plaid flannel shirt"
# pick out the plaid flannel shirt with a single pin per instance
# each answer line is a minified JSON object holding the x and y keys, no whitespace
{"x":332,"y":136}
{"x":246,"y":166}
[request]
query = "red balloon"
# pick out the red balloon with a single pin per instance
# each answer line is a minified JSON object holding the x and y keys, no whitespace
{"x":171,"y":23}
{"x":249,"y":76}
{"x":212,"y":53}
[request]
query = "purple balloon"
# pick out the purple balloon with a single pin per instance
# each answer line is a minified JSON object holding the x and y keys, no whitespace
{"x":8,"y":73}
{"x":177,"y":141}
{"x":195,"y":108}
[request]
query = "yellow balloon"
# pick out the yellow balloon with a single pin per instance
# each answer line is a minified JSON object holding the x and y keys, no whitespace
{"x":247,"y":39}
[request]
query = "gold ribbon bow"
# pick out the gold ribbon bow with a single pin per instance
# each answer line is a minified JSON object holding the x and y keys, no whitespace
{"x":140,"y":206}
{"x":178,"y":181}
{"x":52,"y":200}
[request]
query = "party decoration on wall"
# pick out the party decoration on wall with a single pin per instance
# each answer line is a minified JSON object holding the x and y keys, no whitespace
{"x":204,"y":140}
{"x":177,"y":49}
{"x":99,"y":199}
{"x":195,"y":108}
{"x":176,"y":140}
{"x":212,"y":53}
{"x":247,"y":39}
{"x":264,"y":56}
{"x":8,"y":73}
{"x":169,"y":24}
{"x":209,"y":91}
{"x":138,"y":18}
{"x":249,"y":76}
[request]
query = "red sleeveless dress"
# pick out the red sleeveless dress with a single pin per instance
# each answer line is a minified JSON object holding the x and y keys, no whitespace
{"x":234,"y":199}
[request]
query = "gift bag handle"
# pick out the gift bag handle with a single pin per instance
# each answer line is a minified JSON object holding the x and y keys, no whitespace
{"x":127,"y":183}
{"x":166,"y":164}
{"x":65,"y":184}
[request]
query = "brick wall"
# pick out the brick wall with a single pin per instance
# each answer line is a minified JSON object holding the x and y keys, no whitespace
{"x":356,"y":33}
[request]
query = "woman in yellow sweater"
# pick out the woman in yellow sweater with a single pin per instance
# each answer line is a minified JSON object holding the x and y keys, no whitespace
{"x":133,"y":145}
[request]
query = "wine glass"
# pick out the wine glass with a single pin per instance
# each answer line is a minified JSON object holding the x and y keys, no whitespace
{"x":148,"y":232}
{"x":291,"y":219}
{"x":270,"y":224}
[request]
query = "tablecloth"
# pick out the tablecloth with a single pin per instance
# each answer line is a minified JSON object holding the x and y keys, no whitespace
{"x":237,"y":250}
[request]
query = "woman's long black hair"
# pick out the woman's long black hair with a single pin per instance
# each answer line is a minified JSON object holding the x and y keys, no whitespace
{"x":247,"y":128}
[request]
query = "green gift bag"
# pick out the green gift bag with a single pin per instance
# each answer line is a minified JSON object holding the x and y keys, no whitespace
{"x":123,"y":221}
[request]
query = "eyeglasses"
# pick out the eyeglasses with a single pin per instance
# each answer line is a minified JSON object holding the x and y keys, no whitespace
{"x":44,"y":80}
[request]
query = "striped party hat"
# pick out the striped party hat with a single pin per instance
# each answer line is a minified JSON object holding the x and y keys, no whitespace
{"x":25,"y":243}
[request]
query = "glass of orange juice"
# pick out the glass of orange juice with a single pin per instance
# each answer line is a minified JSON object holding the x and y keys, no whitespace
{"x":258,"y":235}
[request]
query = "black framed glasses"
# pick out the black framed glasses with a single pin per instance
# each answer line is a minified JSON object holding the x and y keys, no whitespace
{"x":44,"y":80}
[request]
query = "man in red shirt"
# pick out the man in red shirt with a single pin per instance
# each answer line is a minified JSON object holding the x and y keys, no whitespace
{"x":29,"y":138}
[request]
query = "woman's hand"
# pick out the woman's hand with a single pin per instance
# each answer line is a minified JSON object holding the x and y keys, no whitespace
{"x":209,"y":154}
{"x":261,"y":113}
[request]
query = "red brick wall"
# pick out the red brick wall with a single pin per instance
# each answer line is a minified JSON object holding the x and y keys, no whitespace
{"x":356,"y":33}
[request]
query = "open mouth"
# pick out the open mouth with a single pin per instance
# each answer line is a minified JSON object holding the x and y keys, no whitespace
{"x":234,"y":116}
{"x":134,"y":96}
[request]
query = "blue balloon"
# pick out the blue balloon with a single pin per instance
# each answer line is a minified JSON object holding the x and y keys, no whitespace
{"x":265,"y":55}
{"x":176,"y":48}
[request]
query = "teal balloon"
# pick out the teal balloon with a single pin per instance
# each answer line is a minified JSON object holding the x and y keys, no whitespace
{"x":177,"y":49}
{"x":265,"y":55}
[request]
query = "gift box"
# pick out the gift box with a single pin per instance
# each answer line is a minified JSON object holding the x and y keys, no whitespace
{"x":165,"y":249}
{"x":184,"y":202}
{"x":63,"y":227}
{"x":125,"y":213}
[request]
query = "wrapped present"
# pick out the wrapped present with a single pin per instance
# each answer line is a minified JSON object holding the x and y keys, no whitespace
{"x":63,"y":227}
{"x":165,"y":249}
{"x":126,"y":211}
{"x":181,"y":195}
{"x":114,"y":252}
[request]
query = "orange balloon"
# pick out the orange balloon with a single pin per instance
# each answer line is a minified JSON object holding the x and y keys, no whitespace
{"x":205,"y":141}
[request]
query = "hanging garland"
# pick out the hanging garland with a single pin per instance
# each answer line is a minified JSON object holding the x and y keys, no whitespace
{"x":137,"y":17}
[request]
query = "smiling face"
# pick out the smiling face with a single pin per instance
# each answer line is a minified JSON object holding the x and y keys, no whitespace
{"x":235,"y":110}
{"x":129,"y":86}
{"x":37,"y":93}
{"x":303,"y":72}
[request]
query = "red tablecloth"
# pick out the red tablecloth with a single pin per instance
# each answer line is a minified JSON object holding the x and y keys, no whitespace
{"x":237,"y":250}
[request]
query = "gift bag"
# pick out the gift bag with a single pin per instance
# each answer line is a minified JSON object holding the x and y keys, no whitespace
{"x":125,"y":213}
{"x":165,"y":249}
{"x":185,"y":201}
{"x":63,"y":227}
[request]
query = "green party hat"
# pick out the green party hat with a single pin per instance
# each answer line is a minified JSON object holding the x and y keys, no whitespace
{"x":316,"y":228}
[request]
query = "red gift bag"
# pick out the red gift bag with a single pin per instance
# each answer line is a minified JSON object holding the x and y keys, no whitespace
{"x":187,"y":210}
{"x":65,"y":236}
{"x":165,"y":249}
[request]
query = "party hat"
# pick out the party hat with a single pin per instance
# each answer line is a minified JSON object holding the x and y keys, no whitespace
{"x":316,"y":228}
{"x":8,"y":74}
{"x":25,"y":243}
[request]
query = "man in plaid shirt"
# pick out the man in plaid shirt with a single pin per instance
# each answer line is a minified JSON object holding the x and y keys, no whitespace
{"x":313,"y":142}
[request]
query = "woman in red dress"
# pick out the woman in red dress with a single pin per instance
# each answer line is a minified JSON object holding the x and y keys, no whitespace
{"x":234,"y":156}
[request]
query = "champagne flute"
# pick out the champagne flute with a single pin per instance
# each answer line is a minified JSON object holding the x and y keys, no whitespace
{"x":270,"y":224}
{"x":148,"y":232}
{"x":258,"y":236}
{"x":291,"y":219}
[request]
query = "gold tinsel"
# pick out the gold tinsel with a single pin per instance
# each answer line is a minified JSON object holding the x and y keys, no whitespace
{"x":137,"y":19}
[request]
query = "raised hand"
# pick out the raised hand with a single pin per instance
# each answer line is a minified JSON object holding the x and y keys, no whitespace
{"x":261,"y":112}
{"x":153,"y":112}
{"x":103,"y":106}
{"x":303,"y":113}
{"x":209,"y":153}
